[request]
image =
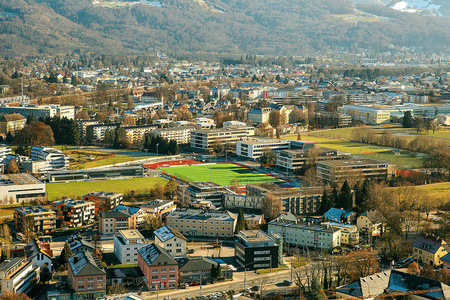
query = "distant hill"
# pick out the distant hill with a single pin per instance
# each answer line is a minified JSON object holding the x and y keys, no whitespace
{"x":178,"y":27}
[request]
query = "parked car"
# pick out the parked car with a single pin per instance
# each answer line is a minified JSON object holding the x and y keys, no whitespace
{"x":287,"y":282}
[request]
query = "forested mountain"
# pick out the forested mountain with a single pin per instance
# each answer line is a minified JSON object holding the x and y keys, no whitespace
{"x":178,"y":27}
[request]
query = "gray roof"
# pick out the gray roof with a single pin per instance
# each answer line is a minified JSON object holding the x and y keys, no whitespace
{"x":428,"y":243}
{"x":198,"y":214}
{"x":85,"y":264}
{"x":193,"y":264}
{"x":115,"y":214}
{"x":155,"y":255}
{"x":165,"y":233}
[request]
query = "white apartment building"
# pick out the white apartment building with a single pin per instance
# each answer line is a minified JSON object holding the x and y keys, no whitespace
{"x":180,"y":134}
{"x":54,"y":159}
{"x":126,"y":245}
{"x":39,"y":110}
{"x":135,"y":134}
{"x":18,"y":275}
{"x":97,"y":132}
{"x":4,"y":152}
{"x":83,"y":124}
{"x":206,"y":139}
{"x":171,"y":240}
{"x":254,"y":148}
{"x":309,"y":235}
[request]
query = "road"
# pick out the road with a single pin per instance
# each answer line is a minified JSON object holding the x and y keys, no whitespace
{"x":237,"y":284}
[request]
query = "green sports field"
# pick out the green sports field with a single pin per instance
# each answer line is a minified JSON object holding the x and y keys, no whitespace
{"x":221,"y":174}
{"x":58,"y":190}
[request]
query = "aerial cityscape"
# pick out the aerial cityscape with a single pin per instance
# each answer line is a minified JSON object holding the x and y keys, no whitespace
{"x":216,"y":149}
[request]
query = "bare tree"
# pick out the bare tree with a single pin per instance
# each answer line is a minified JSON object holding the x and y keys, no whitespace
{"x":310,"y":178}
{"x":262,"y":281}
{"x":7,"y":239}
{"x":271,"y":206}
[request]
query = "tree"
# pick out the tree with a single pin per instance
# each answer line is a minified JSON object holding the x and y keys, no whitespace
{"x":66,"y":253}
{"x":407,"y":120}
{"x":268,"y":157}
{"x":35,"y":134}
{"x":215,"y":271}
{"x":152,"y":222}
{"x":9,"y":295}
{"x":262,"y":281}
{"x":413,"y":268}
{"x":310,"y":178}
{"x":240,"y":222}
{"x":363,"y":263}
{"x":275,"y":118}
{"x":171,"y":188}
{"x":12,"y":168}
{"x":271,"y":206}
{"x":326,"y":202}
{"x":345,"y":197}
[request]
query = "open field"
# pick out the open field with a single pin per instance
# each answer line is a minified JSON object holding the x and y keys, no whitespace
{"x":221,"y":174}
{"x":437,"y":190}
{"x":403,"y":159}
{"x":58,"y":190}
{"x":116,"y":159}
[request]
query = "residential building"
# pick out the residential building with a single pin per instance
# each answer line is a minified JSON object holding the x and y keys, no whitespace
{"x":372,"y":115}
{"x":135,"y":134}
{"x":338,"y":215}
{"x":97,"y":132}
{"x":40,"y":253}
{"x":254,"y":249}
{"x":4,"y":152}
{"x":159,"y":207}
{"x":35,"y":219}
{"x":54,"y":158}
{"x":349,"y":232}
{"x":334,"y":119}
{"x":228,"y":124}
{"x":171,"y":240}
{"x":83,"y":124}
{"x":126,"y":244}
{"x":202,"y":191}
{"x":152,"y":98}
{"x":446,"y":262}
{"x":254,"y":148}
{"x":127,"y":276}
{"x":197,"y":222}
{"x":12,"y":123}
{"x":371,"y":223}
{"x":206,"y":139}
{"x":73,"y":212}
{"x":396,"y":284}
{"x":309,"y":235}
{"x":180,"y":134}
{"x":254,"y":221}
{"x":137,"y":215}
{"x":258,"y":115}
{"x":78,"y":244}
{"x":203,"y":123}
{"x":18,"y":275}
{"x":159,"y":267}
{"x":104,"y":201}
{"x":39,"y":111}
{"x":86,"y":276}
{"x":20,"y":188}
{"x":112,"y":221}
{"x":429,"y":249}
{"x":196,"y":270}
{"x":335,"y":171}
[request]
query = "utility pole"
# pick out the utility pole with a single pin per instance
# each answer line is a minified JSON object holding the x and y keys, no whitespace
{"x":270,"y":263}
{"x":245,"y":276}
{"x":157,"y":155}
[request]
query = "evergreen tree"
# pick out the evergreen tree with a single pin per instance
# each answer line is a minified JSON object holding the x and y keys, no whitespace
{"x":65,"y":254}
{"x":335,"y":197}
{"x":9,"y":137}
{"x":315,"y":288}
{"x":240,"y":222}
{"x":361,"y":194}
{"x":407,"y":120}
{"x":173,"y":147}
{"x":326,"y":203}
{"x":345,"y":197}
{"x":30,"y":119}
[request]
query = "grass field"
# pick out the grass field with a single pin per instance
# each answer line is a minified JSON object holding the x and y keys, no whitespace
{"x":58,"y":190}
{"x":107,"y":161}
{"x":221,"y":174}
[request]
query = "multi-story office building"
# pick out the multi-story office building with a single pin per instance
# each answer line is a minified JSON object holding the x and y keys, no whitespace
{"x":159,"y":267}
{"x":86,"y":276}
{"x":112,"y":221}
{"x":201,"y":191}
{"x":349,"y":232}
{"x":306,"y":234}
{"x":259,"y":115}
{"x":206,"y":139}
{"x":197,"y":222}
{"x":126,"y":244}
{"x":171,"y":240}
{"x":12,"y":123}
{"x":254,"y":249}
{"x":367,"y":114}
{"x":158,"y":208}
{"x":97,"y":132}
{"x":363,"y":168}
{"x":34,"y":218}
{"x":255,"y":148}
{"x":135,"y":134}
{"x":18,"y":275}
{"x":54,"y":159}
{"x":292,"y":160}
{"x":74,"y":212}
{"x":39,"y":110}
{"x":20,"y":188}
{"x":180,"y":134}
{"x":104,"y":201}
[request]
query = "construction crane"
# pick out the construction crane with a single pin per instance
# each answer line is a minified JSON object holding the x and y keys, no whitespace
{"x":324,"y":292}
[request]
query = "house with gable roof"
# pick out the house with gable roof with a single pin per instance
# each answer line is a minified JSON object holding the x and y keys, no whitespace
{"x":40,"y":253}
{"x":172,"y":240}
{"x":428,"y":248}
{"x":339,"y":215}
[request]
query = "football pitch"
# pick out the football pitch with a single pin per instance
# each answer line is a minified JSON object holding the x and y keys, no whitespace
{"x":222,"y":174}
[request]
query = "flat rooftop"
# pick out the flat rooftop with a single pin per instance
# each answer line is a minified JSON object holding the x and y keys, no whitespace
{"x":254,"y":237}
{"x":18,"y":179}
{"x":265,"y":141}
{"x":28,"y":210}
{"x":353,"y":162}
{"x":72,"y":202}
{"x":131,"y":234}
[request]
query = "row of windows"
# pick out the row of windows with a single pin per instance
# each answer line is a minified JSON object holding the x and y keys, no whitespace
{"x":90,"y":279}
{"x":163,"y":270}
{"x":91,"y":286}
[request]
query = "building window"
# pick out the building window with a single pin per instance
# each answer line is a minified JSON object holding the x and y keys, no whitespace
{"x":81,"y":287}
{"x":100,"y":285}
{"x":163,"y":270}
{"x":172,"y":276}
{"x":80,"y":279}
{"x":99,"y":278}
{"x":90,"y":279}
{"x":172,"y":269}
{"x":155,"y":271}
{"x":90,"y":286}
{"x":154,"y":277}
{"x":163,"y":277}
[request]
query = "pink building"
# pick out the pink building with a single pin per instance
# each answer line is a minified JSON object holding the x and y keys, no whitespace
{"x":87,"y":276}
{"x":159,"y":267}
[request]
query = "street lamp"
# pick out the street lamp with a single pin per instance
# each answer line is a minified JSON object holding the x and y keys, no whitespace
{"x":157,"y":155}
{"x":146,"y":150}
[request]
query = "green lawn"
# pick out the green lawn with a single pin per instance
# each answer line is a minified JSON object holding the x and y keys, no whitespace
{"x":221,"y":174}
{"x":403,"y":159}
{"x":116,"y":159}
{"x":437,"y":190}
{"x":58,"y":190}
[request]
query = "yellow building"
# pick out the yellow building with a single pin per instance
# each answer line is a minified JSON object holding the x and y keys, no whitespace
{"x":349,"y":233}
{"x":430,"y":249}
{"x":367,"y":114}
